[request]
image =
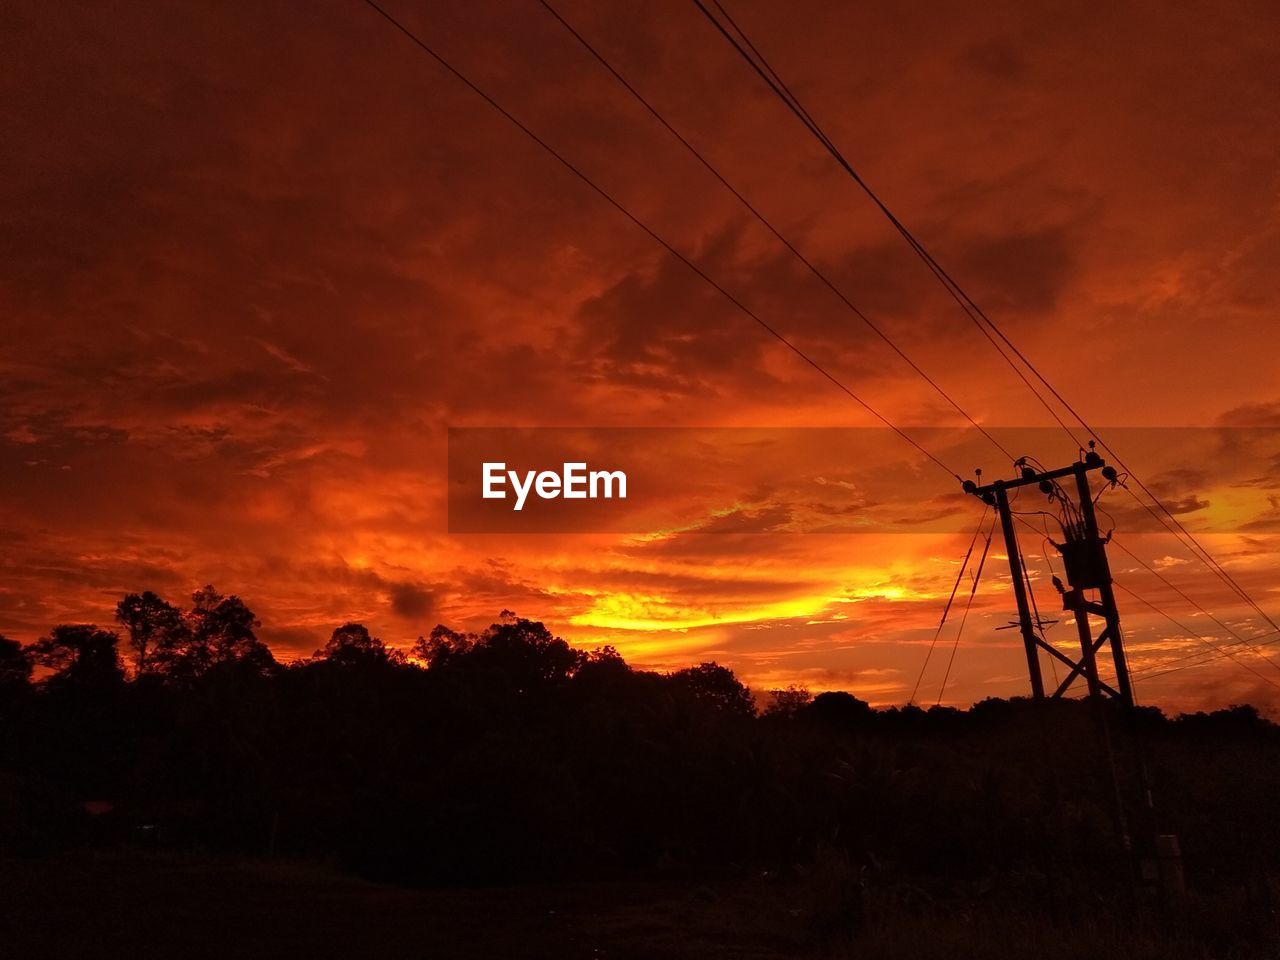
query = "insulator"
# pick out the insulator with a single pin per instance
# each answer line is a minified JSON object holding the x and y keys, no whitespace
{"x":1046,"y":488}
{"x":969,"y":487}
{"x":1092,"y":459}
{"x":1109,"y":474}
{"x":1027,"y":473}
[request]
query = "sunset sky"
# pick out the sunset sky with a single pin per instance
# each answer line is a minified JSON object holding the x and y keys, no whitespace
{"x":258,"y":259}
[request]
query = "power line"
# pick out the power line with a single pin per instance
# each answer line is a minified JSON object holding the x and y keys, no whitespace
{"x":1201,"y":658}
{"x":1219,"y":651}
{"x":977,"y":576}
{"x":1183,"y":536}
{"x":772,"y":331}
{"x":684,"y":141}
{"x":947,"y":609}
{"x":1172,"y":586}
{"x":761,"y":66}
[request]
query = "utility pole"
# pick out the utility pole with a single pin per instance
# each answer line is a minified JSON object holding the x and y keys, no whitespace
{"x":1030,"y":638}
{"x":1084,"y":559}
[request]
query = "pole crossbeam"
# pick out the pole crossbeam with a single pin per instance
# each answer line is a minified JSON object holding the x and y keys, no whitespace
{"x":1032,"y":477}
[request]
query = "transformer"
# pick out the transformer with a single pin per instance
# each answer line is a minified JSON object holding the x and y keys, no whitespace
{"x":1085,"y":559}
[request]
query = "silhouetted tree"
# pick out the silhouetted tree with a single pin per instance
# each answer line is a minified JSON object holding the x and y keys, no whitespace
{"x":1235,"y":719}
{"x":15,"y":667}
{"x":157,"y":631}
{"x":351,"y":645}
{"x":838,"y":708}
{"x":516,"y":654}
{"x":529,"y":651}
{"x":604,"y":661}
{"x":716,"y":686}
{"x":221,"y":632}
{"x":787,"y":702}
{"x":80,"y":655}
{"x":442,"y":644}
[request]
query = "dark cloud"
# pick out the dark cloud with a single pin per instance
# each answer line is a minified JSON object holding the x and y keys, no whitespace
{"x":666,"y":330}
{"x":996,"y":60}
{"x":1021,"y":272}
{"x":412,"y":601}
{"x":1264,"y":414}
{"x":1188,"y":504}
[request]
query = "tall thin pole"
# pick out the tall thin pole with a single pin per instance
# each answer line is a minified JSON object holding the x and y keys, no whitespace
{"x":1105,"y":592}
{"x":1019,"y":591}
{"x":1086,"y":651}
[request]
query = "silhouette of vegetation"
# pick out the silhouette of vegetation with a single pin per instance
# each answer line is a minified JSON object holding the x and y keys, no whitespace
{"x":510,"y":756}
{"x":15,"y":668}
{"x":79,"y":656}
{"x":788,"y":702}
{"x":351,"y":645}
{"x":157,"y":630}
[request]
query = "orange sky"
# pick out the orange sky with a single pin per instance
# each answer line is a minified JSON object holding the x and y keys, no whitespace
{"x":256,"y":260}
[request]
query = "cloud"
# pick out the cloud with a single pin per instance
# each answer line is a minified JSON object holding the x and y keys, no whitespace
{"x":249,"y":283}
{"x":1021,"y":272}
{"x":412,"y":601}
{"x":1265,"y":414}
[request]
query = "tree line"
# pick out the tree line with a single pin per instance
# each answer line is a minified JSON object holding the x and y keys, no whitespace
{"x":509,"y":754}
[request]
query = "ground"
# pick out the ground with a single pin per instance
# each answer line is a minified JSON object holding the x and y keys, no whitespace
{"x":190,"y":907}
{"x":143,"y":906}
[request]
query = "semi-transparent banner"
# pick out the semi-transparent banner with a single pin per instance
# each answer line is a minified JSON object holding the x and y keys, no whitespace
{"x":665,"y":480}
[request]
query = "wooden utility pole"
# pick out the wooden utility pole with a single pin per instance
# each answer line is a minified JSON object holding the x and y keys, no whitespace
{"x":1084,"y":558}
{"x":1027,"y":628}
{"x":1088,"y":592}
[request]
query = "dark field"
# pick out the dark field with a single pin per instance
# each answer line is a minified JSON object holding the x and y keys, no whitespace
{"x":516,"y":798}
{"x":171,"y":906}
